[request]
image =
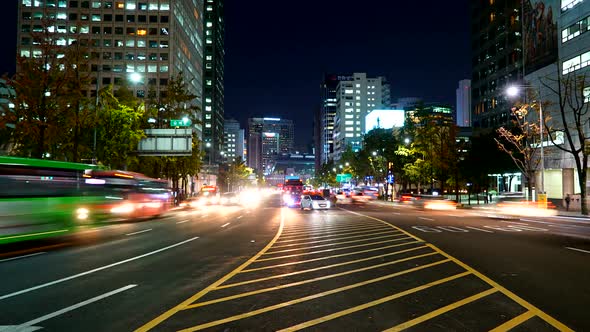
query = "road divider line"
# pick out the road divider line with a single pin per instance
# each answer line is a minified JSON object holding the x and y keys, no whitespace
{"x":225,"y":225}
{"x":321,"y":235}
{"x":182,"y":221}
{"x":441,"y":311}
{"x":33,"y":234}
{"x":73,"y":307}
{"x":307,"y":281}
{"x":24,"y":256}
{"x":509,"y":325}
{"x":51,"y":283}
{"x":327,"y":257}
{"x":239,"y":217}
{"x":334,"y":239}
{"x":308,"y":298}
{"x":336,"y":249}
{"x":544,"y":316}
{"x":479,"y":229}
{"x":276,"y":276}
{"x":576,"y":249}
{"x":134,"y":233}
{"x":332,"y":244}
{"x":373,"y":303}
{"x":154,"y":322}
{"x":427,"y":219}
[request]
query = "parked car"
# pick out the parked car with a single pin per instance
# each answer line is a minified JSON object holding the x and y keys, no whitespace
{"x":314,"y":202}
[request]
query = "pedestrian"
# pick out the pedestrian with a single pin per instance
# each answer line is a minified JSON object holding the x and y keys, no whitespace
{"x":568,"y":199}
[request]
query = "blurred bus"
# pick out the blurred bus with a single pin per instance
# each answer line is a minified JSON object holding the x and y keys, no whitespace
{"x":40,"y":198}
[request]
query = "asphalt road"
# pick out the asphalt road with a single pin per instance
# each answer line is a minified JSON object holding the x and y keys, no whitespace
{"x":353,"y":268}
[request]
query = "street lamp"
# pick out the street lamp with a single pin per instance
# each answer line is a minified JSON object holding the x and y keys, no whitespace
{"x":374,"y":153}
{"x":407,"y":140}
{"x":513,"y":91}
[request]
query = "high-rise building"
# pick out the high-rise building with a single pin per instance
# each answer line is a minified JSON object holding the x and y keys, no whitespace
{"x":233,"y":140}
{"x":326,"y":118}
{"x":356,"y":96}
{"x":213,"y":77}
{"x":268,"y":138}
{"x":141,"y":43}
{"x":497,"y":59}
{"x":464,"y":103}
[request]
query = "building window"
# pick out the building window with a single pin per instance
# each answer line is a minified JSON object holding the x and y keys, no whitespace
{"x":575,"y":63}
{"x":130,"y":5}
{"x":575,"y":30}
{"x":568,"y":4}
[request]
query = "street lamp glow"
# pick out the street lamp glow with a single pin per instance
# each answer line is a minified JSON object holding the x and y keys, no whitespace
{"x":347,"y":164}
{"x":135,"y":77}
{"x":374,"y":153}
{"x":512,"y":91}
{"x":208,"y":144}
{"x":407,"y":140}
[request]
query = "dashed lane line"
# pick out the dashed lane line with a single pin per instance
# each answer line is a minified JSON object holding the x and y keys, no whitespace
{"x":373,"y":303}
{"x":276,"y":276}
{"x":338,"y":249}
{"x":385,"y":230}
{"x":24,"y":256}
{"x":479,"y":229}
{"x":156,"y":321}
{"x":576,"y":249}
{"x":303,"y":282}
{"x":328,"y":257}
{"x":316,"y":296}
{"x":225,"y":225}
{"x":427,"y":219}
{"x":139,"y":232}
{"x":441,"y":311}
{"x":332,"y":244}
{"x":536,"y":311}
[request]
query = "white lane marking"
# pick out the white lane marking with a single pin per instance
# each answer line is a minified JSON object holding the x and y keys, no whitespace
{"x":239,"y":217}
{"x":19,"y":257}
{"x":479,"y":229}
{"x":182,"y":221}
{"x":145,"y":230}
{"x":427,"y":229}
{"x":224,"y":225}
{"x":586,"y":220}
{"x":18,"y":328}
{"x":576,"y":249}
{"x":453,"y":229}
{"x":73,"y":307}
{"x":51,"y":283}
{"x":424,"y":218}
{"x":396,"y":213}
{"x":554,"y":224}
{"x":514,"y":222}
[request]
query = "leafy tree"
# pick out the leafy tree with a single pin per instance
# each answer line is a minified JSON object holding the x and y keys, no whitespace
{"x":573,"y":92}
{"x":234,"y":175}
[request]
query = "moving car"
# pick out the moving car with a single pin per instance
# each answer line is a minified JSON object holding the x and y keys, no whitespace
{"x":314,"y":202}
{"x":229,"y":199}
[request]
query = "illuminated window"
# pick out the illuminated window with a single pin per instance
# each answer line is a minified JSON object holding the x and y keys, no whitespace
{"x":120,"y":5}
{"x":153,"y":6}
{"x":141,"y":32}
{"x":164,"y":6}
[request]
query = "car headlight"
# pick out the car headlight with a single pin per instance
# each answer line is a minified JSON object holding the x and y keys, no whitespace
{"x":82,"y":213}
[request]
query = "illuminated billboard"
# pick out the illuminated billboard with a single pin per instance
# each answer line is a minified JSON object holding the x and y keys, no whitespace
{"x":384,"y":119}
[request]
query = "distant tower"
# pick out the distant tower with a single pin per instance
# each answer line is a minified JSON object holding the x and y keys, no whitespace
{"x":464,"y":103}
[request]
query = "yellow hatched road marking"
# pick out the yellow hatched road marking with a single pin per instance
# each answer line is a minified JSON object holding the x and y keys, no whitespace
{"x":373,"y":303}
{"x":333,"y":239}
{"x":303,"y":282}
{"x":536,"y":311}
{"x":308,"y":298}
{"x":338,"y":249}
{"x":441,"y":311}
{"x":330,"y":229}
{"x":325,"y":267}
{"x":289,"y":228}
{"x":514,"y":322}
{"x":332,"y":244}
{"x":154,"y":322}
{"x":326,"y":257}
{"x":339,"y":233}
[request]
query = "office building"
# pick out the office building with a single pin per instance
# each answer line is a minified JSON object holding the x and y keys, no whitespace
{"x":144,"y":41}
{"x":233,"y":140}
{"x":497,"y":59}
{"x":267,"y":138}
{"x":464,"y":103}
{"x":213,"y":87}
{"x":356,"y":96}
{"x":326,"y":117}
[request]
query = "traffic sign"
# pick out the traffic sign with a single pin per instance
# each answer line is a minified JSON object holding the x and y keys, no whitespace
{"x":184,"y":122}
{"x":343,"y":177}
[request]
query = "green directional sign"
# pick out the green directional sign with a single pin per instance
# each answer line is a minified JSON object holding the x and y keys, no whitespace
{"x":343,"y":177}
{"x":184,"y":122}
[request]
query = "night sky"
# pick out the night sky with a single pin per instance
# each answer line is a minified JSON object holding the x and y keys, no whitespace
{"x":277,"y":51}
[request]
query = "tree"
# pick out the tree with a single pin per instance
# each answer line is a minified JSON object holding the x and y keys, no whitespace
{"x":573,"y":92}
{"x":521,"y":143}
{"x":235,"y":174}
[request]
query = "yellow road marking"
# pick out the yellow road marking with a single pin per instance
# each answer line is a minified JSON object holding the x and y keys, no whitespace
{"x":326,"y":257}
{"x":332,"y":244}
{"x":276,"y":276}
{"x":337,"y":249}
{"x":297,"y":283}
{"x":306,"y":298}
{"x":441,"y":311}
{"x":514,"y":322}
{"x":536,"y":311}
{"x":33,"y":234}
{"x":154,"y":322}
{"x":333,"y":239}
{"x":324,"y":234}
{"x":311,"y":226}
{"x":330,"y":229}
{"x":372,"y":303}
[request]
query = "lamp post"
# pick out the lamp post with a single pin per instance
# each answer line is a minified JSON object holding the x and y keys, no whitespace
{"x":513,"y":91}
